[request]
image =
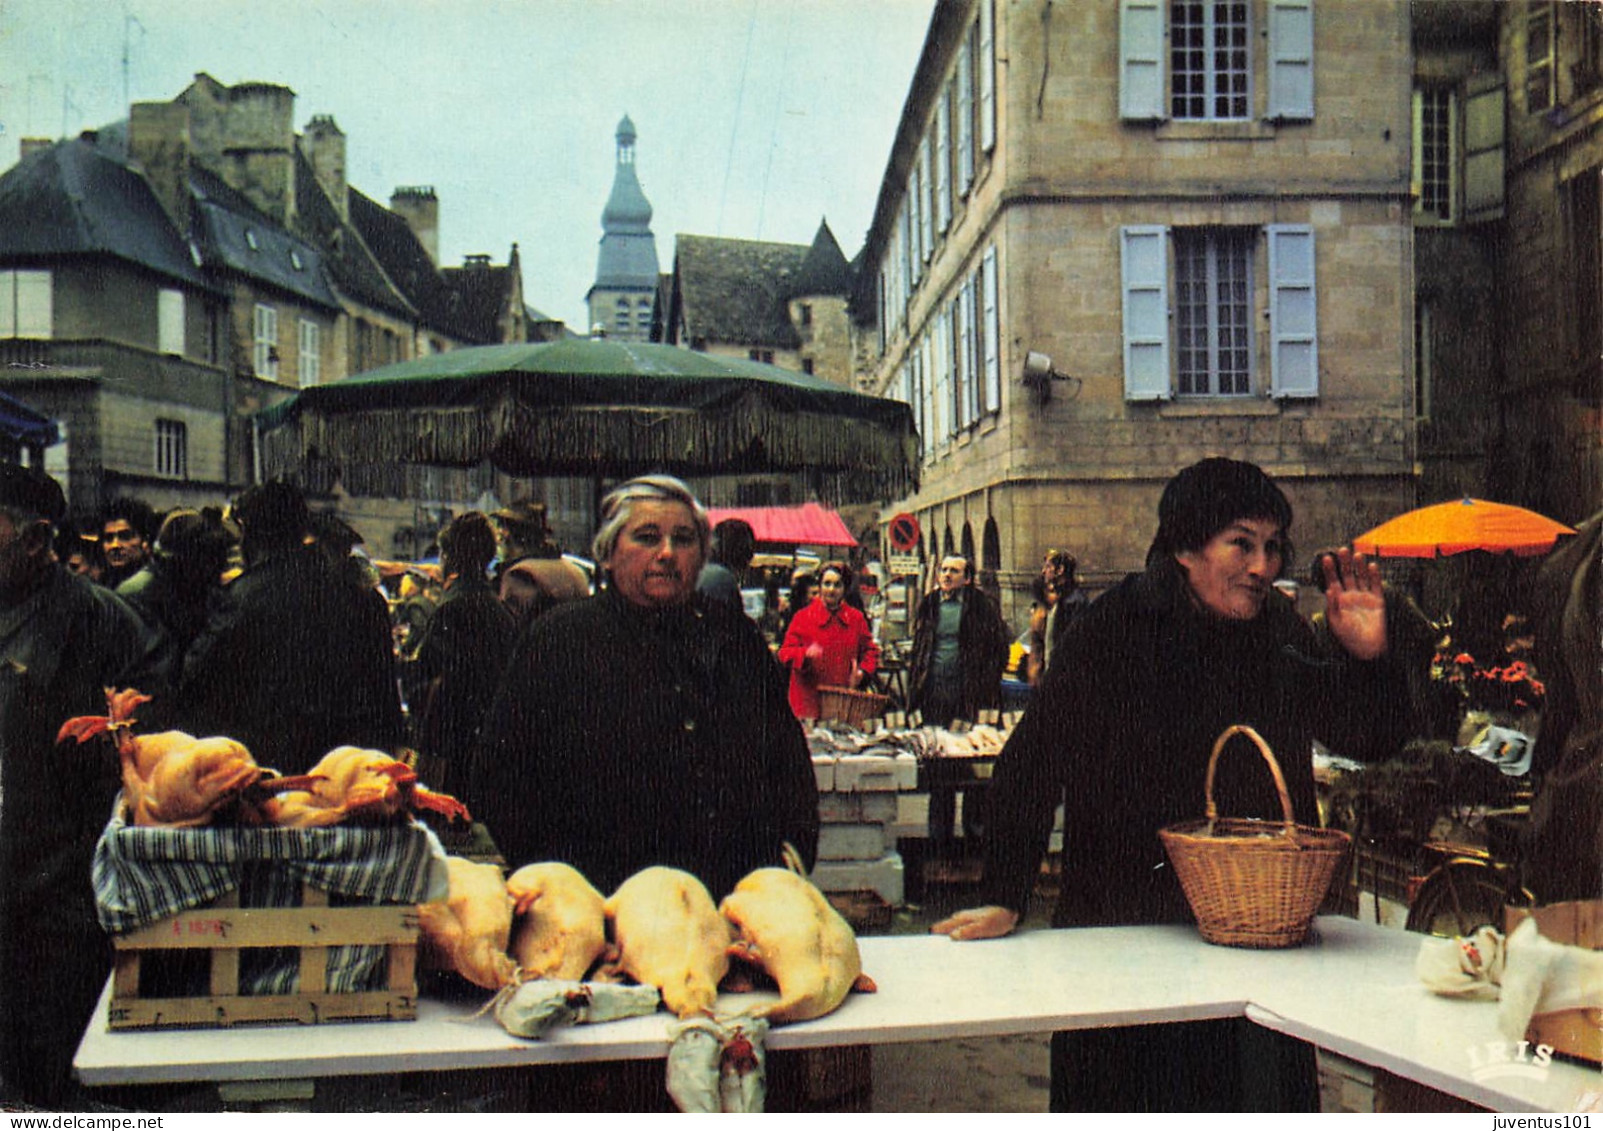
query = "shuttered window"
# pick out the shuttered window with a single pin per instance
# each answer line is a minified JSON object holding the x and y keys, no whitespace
{"x":993,"y":336}
{"x":1144,"y":264}
{"x":987,"y":76}
{"x":1291,"y":60}
{"x":1293,"y":312}
{"x":1141,"y":60}
{"x":265,"y":342}
{"x":170,"y":321}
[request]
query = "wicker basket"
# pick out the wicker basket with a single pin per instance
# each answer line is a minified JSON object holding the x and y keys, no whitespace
{"x":845,"y":705}
{"x":1253,"y":883}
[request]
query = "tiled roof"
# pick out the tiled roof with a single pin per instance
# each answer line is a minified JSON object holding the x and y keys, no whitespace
{"x":825,"y":270}
{"x":737,"y":290}
{"x":481,"y":292}
{"x":393,"y":243}
{"x":235,"y":236}
{"x":351,"y":266}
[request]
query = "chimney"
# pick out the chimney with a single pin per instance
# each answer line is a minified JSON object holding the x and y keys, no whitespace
{"x":32,"y":145}
{"x":420,"y":208}
{"x":324,"y":145}
{"x":158,"y":144}
{"x":258,"y":146}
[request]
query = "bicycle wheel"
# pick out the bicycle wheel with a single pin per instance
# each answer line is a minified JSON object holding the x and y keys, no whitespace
{"x":1457,"y":897}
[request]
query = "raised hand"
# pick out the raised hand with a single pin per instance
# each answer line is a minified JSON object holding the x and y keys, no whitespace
{"x":1355,"y":606}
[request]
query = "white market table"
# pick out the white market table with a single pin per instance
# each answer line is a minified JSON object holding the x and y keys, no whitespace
{"x":1351,"y":989}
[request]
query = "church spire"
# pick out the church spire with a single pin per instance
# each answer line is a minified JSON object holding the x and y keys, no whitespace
{"x":626,"y":267}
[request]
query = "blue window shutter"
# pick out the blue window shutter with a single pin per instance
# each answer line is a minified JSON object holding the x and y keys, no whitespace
{"x":993,"y":336}
{"x":1293,"y":312}
{"x":1141,"y":60}
{"x":1291,"y":60}
{"x":1145,"y":266}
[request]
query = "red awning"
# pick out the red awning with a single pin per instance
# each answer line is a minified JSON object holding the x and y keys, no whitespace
{"x":807,"y":525}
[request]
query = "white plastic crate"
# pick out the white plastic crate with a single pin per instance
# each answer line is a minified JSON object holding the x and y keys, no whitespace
{"x":859,"y":841}
{"x":879,"y":807}
{"x":883,"y":877}
{"x":870,"y":772}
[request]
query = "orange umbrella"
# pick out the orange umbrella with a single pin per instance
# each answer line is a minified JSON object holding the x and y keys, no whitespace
{"x":1460,"y":526}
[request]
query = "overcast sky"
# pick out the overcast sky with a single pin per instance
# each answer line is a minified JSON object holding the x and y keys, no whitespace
{"x":756,"y":118}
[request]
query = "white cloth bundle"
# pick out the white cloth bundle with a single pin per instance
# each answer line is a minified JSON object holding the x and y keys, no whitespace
{"x":1462,"y":967}
{"x":1542,"y":976}
{"x":533,"y":1008}
{"x":718,"y":1066}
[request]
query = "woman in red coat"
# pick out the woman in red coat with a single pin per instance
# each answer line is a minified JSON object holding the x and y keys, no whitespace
{"x":828,"y":643}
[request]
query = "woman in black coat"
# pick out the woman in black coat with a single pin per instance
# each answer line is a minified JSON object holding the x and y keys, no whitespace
{"x":644,"y":726}
{"x":1120,"y":731}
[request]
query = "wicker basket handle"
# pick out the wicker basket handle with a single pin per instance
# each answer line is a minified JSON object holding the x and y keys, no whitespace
{"x":1274,"y":768}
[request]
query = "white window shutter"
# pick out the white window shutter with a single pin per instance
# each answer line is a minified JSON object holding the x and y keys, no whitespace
{"x":1293,"y":312}
{"x":170,"y":321}
{"x":1144,"y":263}
{"x":940,"y":394}
{"x":993,"y":336}
{"x":8,"y":304}
{"x":1483,"y":149}
{"x":972,"y":361}
{"x":987,"y":77}
{"x":943,"y":160}
{"x":926,"y":203}
{"x":965,"y":120}
{"x":1141,"y":60}
{"x":1291,"y":60}
{"x":35,"y":308}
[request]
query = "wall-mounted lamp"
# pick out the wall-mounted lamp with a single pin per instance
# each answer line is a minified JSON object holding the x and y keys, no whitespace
{"x":1039,"y":375}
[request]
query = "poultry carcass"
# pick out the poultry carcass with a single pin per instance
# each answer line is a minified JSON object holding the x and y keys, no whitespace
{"x":784,"y":925}
{"x":172,"y":778}
{"x":467,"y":931}
{"x":560,"y":927}
{"x":351,"y":784}
{"x":669,"y":934}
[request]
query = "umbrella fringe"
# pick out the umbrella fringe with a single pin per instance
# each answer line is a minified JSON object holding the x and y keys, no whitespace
{"x":843,"y":454}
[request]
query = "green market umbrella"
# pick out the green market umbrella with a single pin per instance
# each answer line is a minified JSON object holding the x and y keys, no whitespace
{"x":589,"y":407}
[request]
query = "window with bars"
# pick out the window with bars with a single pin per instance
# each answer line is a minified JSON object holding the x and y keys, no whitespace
{"x":265,"y":336}
{"x":1210,"y":60}
{"x":1213,"y":312}
{"x":1435,"y":154}
{"x":172,"y":449}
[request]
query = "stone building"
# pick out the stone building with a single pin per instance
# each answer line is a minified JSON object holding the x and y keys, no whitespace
{"x":779,"y":303}
{"x":164,"y":278}
{"x":1548,"y":405}
{"x":1117,"y":236}
{"x":621,"y":300}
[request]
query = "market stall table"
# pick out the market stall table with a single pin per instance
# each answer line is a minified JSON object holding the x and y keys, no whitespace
{"x":1351,"y":989}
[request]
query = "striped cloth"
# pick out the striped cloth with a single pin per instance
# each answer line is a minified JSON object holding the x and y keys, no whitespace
{"x":143,"y":874}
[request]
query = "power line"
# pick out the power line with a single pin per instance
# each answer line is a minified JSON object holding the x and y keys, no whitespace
{"x":734,"y":128}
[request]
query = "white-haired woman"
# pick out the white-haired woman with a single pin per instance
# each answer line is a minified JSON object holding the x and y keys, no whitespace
{"x":645,"y":726}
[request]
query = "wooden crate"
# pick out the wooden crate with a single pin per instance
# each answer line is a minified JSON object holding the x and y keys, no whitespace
{"x":224,"y":929}
{"x":1572,"y":1032}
